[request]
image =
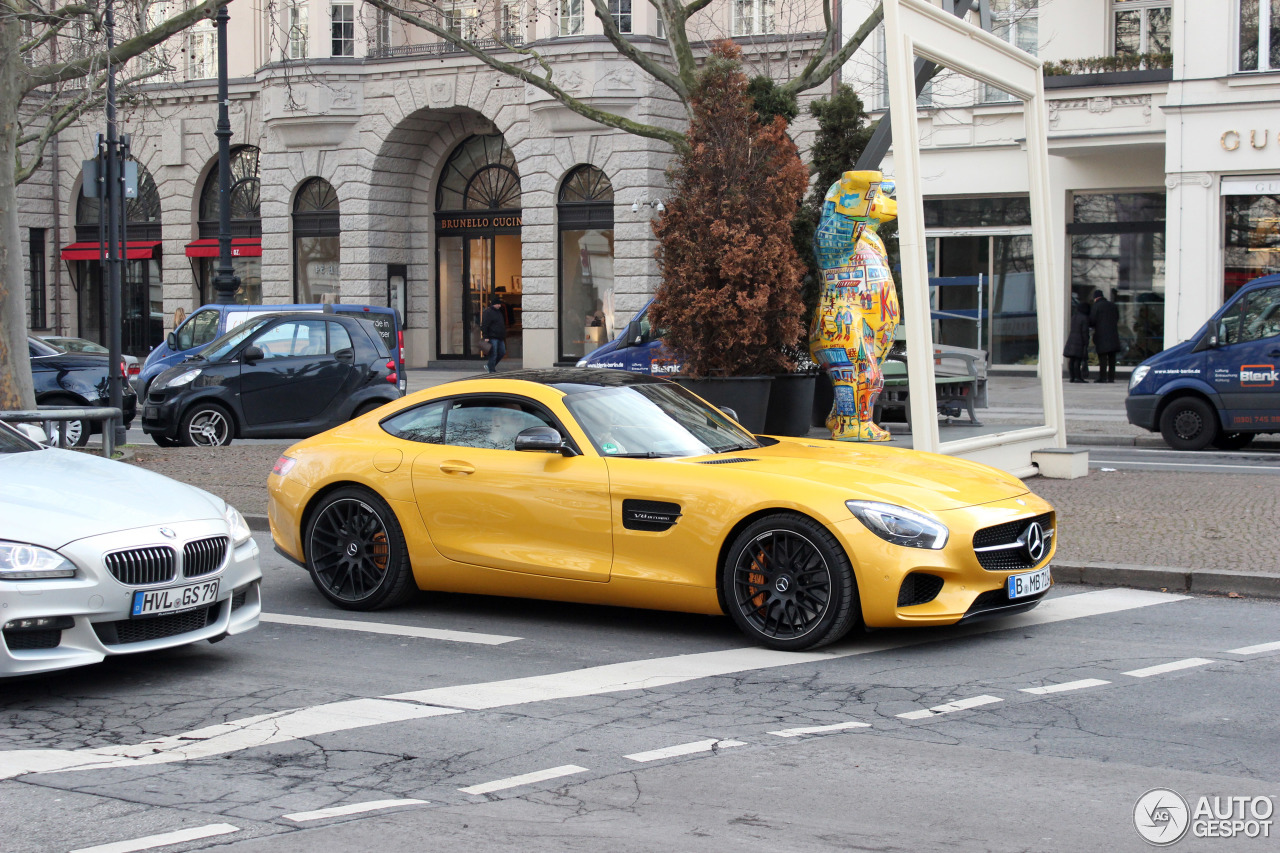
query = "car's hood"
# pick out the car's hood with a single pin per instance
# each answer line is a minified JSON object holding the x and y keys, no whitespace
{"x":53,"y":497}
{"x":926,"y":481}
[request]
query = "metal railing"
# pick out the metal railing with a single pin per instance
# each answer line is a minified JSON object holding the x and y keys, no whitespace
{"x":437,"y":48}
{"x":53,"y":414}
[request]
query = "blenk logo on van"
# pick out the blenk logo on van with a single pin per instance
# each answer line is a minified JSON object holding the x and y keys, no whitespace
{"x":1258,"y":375}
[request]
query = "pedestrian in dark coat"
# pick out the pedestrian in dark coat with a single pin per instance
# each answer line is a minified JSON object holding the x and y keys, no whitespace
{"x":1104,"y":317}
{"x":493,"y":329}
{"x":1077,"y":349}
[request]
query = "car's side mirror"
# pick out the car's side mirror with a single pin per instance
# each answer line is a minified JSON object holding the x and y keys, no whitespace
{"x":172,"y":341}
{"x":728,"y":411}
{"x":543,"y":439}
{"x":252,"y":354}
{"x":34,"y":432}
{"x":634,"y":336}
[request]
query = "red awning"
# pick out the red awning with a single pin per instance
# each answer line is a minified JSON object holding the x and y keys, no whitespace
{"x":241,"y":247}
{"x":140,"y":251}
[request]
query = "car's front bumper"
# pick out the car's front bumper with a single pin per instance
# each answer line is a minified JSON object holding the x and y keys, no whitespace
{"x":965,"y":590}
{"x":161,"y":414}
{"x":1141,"y":410}
{"x":98,"y":606}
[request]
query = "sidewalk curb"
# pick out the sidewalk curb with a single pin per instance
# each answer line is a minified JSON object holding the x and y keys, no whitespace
{"x":1169,"y":579}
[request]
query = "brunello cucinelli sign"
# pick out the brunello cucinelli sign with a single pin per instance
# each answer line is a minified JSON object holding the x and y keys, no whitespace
{"x":1258,"y":139}
{"x":477,"y":221}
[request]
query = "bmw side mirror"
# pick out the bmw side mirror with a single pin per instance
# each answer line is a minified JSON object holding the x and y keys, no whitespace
{"x":252,"y":354}
{"x":172,"y":341}
{"x":543,"y":439}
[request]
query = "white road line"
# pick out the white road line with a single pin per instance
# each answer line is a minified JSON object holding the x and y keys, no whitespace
{"x":250,"y":732}
{"x":1065,"y":686}
{"x":950,"y":707}
{"x":526,"y":779}
{"x":195,"y":833}
{"x":1095,"y":462}
{"x":683,"y":749}
{"x":351,"y":808}
{"x":1256,"y":650}
{"x":385,"y":628}
{"x":818,"y":730}
{"x":1173,"y":666}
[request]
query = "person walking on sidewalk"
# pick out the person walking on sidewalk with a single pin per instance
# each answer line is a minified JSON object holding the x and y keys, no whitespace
{"x":1077,"y":349}
{"x":493,"y":330}
{"x":1104,"y":317}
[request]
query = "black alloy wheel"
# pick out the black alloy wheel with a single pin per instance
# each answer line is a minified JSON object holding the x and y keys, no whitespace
{"x":1189,"y":423}
{"x":788,"y":584}
{"x":1233,"y":440}
{"x":356,"y":552}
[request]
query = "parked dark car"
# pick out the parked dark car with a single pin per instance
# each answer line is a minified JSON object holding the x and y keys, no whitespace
{"x":75,"y":379}
{"x":275,"y":376}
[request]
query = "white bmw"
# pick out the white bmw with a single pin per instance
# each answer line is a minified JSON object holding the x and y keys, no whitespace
{"x":103,"y":558}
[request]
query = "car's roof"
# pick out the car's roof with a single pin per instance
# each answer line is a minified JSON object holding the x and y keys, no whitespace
{"x":572,"y":380}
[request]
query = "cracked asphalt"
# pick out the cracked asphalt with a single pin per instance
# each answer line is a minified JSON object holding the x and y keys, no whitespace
{"x":312,"y":718}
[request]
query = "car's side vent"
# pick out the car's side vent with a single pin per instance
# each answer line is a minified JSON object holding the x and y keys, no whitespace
{"x":725,"y":461}
{"x":654,"y":516}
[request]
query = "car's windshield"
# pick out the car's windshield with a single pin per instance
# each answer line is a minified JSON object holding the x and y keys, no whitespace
{"x":12,"y":442}
{"x":77,"y":345}
{"x":654,"y":420}
{"x":219,"y":347}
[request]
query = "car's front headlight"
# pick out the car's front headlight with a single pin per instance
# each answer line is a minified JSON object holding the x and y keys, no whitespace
{"x":582,"y":362}
{"x":22,"y":562}
{"x":900,"y":525}
{"x":240,"y":532}
{"x":184,"y":378}
{"x":1139,"y":373}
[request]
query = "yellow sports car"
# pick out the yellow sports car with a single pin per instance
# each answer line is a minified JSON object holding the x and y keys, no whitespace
{"x":605,"y":487}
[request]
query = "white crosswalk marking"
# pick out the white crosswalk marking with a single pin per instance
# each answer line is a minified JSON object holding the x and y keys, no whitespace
{"x":1173,"y":666}
{"x":524,"y":779}
{"x":164,"y":839}
{"x":951,"y":707}
{"x":820,"y":730}
{"x":1256,"y":650}
{"x":683,"y":749}
{"x":1065,"y":686}
{"x":352,"y":808}
{"x":386,"y":628}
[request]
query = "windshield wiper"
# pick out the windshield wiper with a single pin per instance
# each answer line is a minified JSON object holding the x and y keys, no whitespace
{"x":648,"y":454}
{"x":736,"y":447}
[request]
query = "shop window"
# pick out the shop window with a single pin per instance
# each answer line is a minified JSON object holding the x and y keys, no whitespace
{"x":572,"y":17}
{"x":1252,"y":238}
{"x":246,"y":228}
{"x":1118,"y":246}
{"x":1141,"y":26}
{"x":317,"y":242}
{"x":585,"y":214}
{"x":1259,"y":35}
{"x":37,"y":280}
{"x":342,"y":22}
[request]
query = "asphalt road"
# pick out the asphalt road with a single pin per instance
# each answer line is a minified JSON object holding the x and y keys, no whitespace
{"x":462,"y":722}
{"x":1265,"y":462}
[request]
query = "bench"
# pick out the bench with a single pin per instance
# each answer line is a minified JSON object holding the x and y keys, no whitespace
{"x":959,"y":387}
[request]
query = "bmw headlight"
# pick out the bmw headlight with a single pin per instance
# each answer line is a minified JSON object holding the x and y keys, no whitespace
{"x":240,"y":532}
{"x":900,"y":525}
{"x":1139,"y":373}
{"x":184,"y":378}
{"x":22,"y":562}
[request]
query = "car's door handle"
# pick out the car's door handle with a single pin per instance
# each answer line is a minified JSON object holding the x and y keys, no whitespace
{"x":455,"y":467}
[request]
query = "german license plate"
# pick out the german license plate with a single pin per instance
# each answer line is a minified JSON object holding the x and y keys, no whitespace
{"x":152,"y":602}
{"x":150,"y":413}
{"x":1031,"y":583}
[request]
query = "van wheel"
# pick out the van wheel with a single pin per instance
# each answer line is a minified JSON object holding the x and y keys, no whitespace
{"x":1189,"y":423}
{"x":1233,"y":440}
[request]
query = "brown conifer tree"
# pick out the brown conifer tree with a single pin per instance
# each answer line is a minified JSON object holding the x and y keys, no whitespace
{"x":730,"y":301}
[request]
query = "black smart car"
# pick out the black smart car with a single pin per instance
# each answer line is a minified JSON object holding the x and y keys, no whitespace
{"x":75,"y":379}
{"x":275,"y":376}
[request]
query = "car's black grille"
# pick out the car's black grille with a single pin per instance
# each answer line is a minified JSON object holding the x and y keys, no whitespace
{"x":143,"y":566}
{"x":26,"y":640}
{"x":239,"y":598}
{"x":918,"y":588}
{"x":998,"y":599}
{"x":724,"y":461}
{"x":1007,"y":559}
{"x":204,"y":556}
{"x":127,"y":631}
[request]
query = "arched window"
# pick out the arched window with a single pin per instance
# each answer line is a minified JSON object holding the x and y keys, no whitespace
{"x":317,"y":250}
{"x":246,"y":229}
{"x":142,"y":303}
{"x":585,"y":215}
{"x":480,"y":175}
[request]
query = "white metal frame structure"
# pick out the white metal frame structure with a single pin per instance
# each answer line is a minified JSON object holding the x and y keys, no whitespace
{"x":916,"y":29}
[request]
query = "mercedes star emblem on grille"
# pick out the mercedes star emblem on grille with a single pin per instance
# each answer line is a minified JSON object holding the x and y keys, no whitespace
{"x":1035,"y":541}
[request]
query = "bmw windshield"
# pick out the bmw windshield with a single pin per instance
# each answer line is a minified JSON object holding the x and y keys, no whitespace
{"x":653,"y":421}
{"x":218,"y":348}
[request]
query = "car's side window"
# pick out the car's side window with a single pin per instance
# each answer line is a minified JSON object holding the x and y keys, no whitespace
{"x":491,"y":423}
{"x":339,"y":340}
{"x":297,"y":337}
{"x":1261,"y":315}
{"x":421,"y":423}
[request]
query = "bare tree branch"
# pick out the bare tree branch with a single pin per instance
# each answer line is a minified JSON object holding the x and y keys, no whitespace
{"x":630,"y":51}
{"x":811,"y":77}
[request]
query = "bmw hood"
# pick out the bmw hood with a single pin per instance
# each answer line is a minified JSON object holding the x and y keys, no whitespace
{"x":927,"y":481}
{"x":53,"y":497}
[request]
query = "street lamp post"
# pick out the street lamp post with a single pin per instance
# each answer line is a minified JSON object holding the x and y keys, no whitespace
{"x":225,"y":280}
